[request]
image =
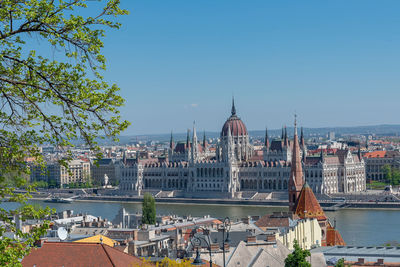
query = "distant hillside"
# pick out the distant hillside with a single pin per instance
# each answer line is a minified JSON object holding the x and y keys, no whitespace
{"x":384,"y":129}
{"x":381,"y":130}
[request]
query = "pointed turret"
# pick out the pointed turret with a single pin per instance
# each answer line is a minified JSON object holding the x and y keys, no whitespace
{"x":194,"y":143}
{"x":233,"y":107}
{"x":188,"y":140}
{"x":286,"y":141}
{"x":302,"y":143}
{"x":266,"y":142}
{"x":204,"y":140}
{"x":359,"y":152}
{"x":171,"y":142}
{"x":303,"y":146}
{"x":283,"y":134}
{"x":296,"y":179}
{"x":194,"y":134}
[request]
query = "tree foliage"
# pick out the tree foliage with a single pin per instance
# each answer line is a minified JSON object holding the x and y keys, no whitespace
{"x":52,"y":92}
{"x":340,"y":263}
{"x":148,"y":209}
{"x":298,"y":258}
{"x":391,"y":175}
{"x":167,"y":262}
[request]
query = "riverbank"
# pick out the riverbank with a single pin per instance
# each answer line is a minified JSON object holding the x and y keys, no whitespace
{"x":237,"y":202}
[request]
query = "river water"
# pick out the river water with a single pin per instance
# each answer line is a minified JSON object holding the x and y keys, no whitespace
{"x":361,"y":227}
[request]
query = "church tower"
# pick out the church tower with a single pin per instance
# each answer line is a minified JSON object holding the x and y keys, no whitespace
{"x":296,"y":179}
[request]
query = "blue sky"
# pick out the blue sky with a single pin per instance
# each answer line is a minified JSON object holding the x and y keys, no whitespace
{"x":335,"y":63}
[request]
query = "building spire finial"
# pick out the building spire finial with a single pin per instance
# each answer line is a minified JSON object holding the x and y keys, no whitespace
{"x":233,"y":107}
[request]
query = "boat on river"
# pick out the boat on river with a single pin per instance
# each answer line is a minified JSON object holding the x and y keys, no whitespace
{"x":58,"y":200}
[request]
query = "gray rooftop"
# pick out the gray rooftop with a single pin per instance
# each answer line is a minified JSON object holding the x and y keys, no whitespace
{"x":353,"y":253}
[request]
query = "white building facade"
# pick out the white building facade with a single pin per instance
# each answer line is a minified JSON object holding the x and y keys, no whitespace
{"x":234,"y":168}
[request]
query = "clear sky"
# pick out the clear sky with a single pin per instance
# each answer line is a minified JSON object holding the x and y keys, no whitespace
{"x":335,"y":63}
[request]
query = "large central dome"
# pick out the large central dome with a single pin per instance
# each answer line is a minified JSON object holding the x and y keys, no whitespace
{"x":235,"y":124}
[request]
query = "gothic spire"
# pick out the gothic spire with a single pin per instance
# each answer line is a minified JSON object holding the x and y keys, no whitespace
{"x":194,"y":143}
{"x":283,"y":134}
{"x":286,"y":141}
{"x":266,"y":142}
{"x":188,"y":139}
{"x":194,"y":134}
{"x":233,"y":107}
{"x":171,"y":142}
{"x":204,"y":140}
{"x":302,"y":139}
{"x":296,"y":180}
{"x":359,"y":152}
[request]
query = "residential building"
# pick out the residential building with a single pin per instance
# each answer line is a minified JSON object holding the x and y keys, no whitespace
{"x":375,"y":160}
{"x":77,"y":171}
{"x":287,"y":229}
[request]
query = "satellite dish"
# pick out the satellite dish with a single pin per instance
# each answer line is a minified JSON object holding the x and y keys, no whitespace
{"x":62,"y":233}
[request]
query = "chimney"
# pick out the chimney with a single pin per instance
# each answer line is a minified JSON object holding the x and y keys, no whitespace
{"x":39,"y":243}
{"x":251,"y":239}
{"x":226,"y":247}
{"x":271,"y":238}
{"x":135,"y":234}
{"x":214,"y":247}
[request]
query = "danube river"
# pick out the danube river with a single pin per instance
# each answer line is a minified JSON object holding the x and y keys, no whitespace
{"x":362,"y":227}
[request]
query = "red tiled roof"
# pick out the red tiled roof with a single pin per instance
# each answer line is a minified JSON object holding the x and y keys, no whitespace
{"x":307,"y":205}
{"x":375,"y":154}
{"x":269,"y":220}
{"x":333,"y":237}
{"x":78,"y":254}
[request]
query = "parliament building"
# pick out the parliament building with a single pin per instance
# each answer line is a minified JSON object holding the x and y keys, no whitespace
{"x":234,"y":170}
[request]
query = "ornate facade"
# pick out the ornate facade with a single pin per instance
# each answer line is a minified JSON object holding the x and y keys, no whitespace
{"x":234,"y":169}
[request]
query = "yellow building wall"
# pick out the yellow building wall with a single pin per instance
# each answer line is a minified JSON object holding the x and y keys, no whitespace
{"x":307,"y":232}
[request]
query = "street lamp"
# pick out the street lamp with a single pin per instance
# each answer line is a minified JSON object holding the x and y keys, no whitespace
{"x":197,"y":260}
{"x":225,"y":227}
{"x":196,"y":239}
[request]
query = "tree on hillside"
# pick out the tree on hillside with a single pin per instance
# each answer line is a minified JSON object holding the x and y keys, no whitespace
{"x":298,"y":257}
{"x":52,"y":92}
{"x":148,"y":209}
